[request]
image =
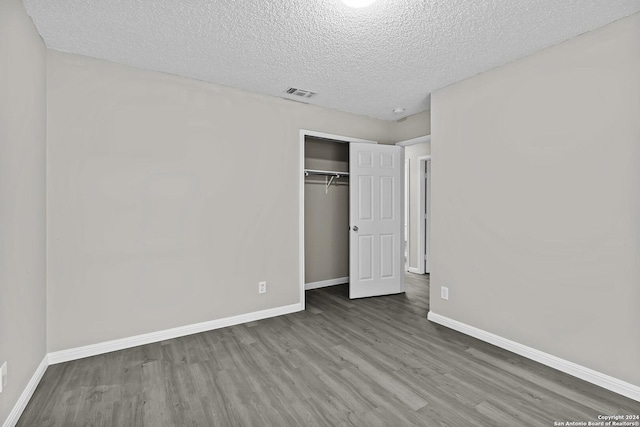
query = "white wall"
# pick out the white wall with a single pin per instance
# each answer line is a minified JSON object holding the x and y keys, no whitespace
{"x":22,"y":200}
{"x":169,"y":199}
{"x":536,"y":200}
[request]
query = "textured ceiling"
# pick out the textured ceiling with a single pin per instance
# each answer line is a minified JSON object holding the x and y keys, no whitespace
{"x":369,"y":61}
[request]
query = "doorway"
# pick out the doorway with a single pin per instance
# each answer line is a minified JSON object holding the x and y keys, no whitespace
{"x":417,"y":203}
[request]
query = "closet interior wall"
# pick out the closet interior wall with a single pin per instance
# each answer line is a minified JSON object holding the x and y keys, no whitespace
{"x":326,"y":212}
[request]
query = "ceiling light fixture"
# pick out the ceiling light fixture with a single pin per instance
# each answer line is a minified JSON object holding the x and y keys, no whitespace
{"x":356,"y":4}
{"x":398,"y":110}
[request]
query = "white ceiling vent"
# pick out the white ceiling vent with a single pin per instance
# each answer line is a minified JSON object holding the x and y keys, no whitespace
{"x":300,"y":92}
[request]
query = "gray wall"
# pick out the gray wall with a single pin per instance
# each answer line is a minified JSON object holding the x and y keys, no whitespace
{"x":411,"y":126}
{"x":412,"y":153}
{"x":536,"y":200}
{"x":169,"y":199}
{"x":326,"y":213}
{"x":22,"y":199}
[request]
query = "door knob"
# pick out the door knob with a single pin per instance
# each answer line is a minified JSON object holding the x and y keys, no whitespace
{"x":355,"y":228}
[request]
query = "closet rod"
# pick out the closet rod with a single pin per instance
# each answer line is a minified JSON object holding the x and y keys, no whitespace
{"x":328,"y":173}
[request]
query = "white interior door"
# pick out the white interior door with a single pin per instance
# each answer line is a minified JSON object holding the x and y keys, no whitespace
{"x":375,"y":218}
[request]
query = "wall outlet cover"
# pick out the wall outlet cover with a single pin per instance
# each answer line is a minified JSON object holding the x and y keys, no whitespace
{"x":444,"y":292}
{"x":262,"y":287}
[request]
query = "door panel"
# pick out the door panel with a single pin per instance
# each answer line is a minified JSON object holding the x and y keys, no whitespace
{"x":365,"y":199}
{"x":365,"y":159}
{"x":365,"y":244}
{"x":376,"y":211}
{"x":386,"y":255}
{"x":386,"y":198}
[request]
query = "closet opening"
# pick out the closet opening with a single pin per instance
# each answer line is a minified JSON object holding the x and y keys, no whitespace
{"x":326,"y":207}
{"x":324,"y":210}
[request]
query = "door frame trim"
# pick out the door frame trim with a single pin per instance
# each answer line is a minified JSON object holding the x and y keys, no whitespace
{"x":424,"y":205}
{"x":406,"y":217}
{"x":304,"y":133}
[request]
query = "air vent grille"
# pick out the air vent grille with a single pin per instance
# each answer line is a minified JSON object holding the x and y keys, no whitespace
{"x":300,"y":92}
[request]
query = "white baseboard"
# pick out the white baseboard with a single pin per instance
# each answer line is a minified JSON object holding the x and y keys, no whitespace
{"x":120,"y":344}
{"x":605,"y":381}
{"x":325,"y":283}
{"x":18,"y":408}
{"x":415,"y":270}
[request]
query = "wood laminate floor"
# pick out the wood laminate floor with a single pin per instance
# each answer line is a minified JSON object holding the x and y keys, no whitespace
{"x":370,"y":362}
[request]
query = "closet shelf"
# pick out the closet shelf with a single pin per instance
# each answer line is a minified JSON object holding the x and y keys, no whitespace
{"x":327,"y":174}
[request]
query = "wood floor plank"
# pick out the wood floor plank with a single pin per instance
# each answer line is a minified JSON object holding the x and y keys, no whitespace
{"x":369,"y":362}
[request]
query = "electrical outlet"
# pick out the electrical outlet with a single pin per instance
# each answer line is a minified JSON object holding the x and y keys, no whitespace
{"x":262,"y":287}
{"x":3,"y":376}
{"x":444,"y":292}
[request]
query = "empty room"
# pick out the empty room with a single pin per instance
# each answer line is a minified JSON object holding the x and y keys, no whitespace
{"x":319,"y":213}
